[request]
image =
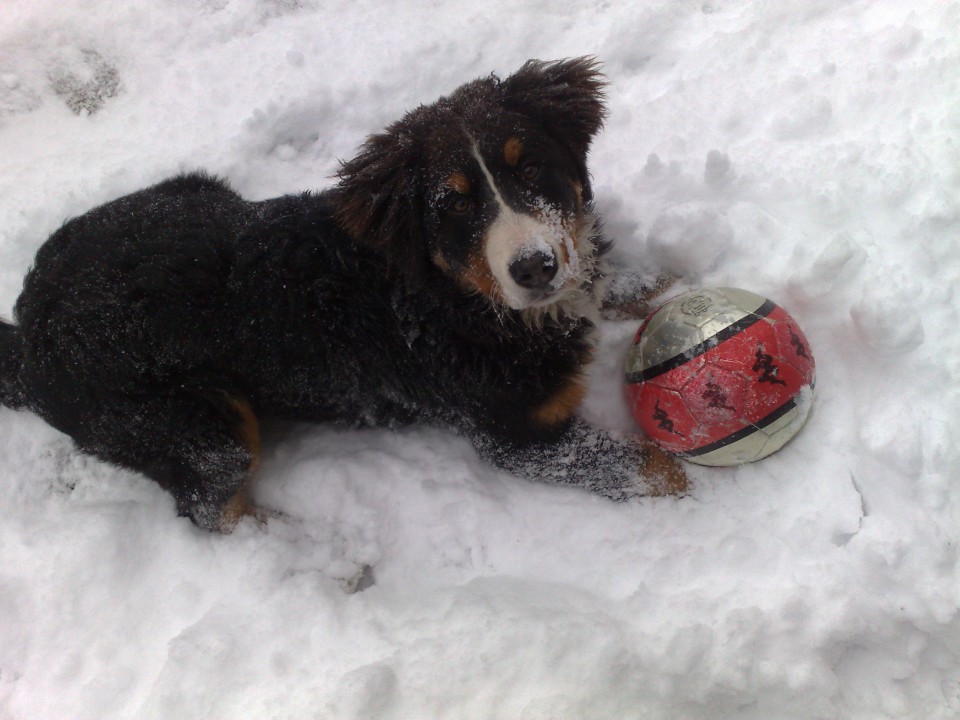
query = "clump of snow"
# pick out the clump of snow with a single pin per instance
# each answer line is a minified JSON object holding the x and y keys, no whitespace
{"x":806,"y":151}
{"x":556,"y":235}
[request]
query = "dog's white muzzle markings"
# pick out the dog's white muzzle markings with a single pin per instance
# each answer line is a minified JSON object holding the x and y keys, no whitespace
{"x":531,"y":258}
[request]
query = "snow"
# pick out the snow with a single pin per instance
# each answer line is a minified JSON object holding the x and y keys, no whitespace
{"x":807,"y":150}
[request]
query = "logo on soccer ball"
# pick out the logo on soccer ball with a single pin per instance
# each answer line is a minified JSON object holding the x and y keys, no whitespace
{"x":696,"y":305}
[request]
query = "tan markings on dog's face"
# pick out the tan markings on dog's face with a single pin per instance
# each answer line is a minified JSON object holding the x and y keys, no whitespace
{"x":512,"y":150}
{"x":578,"y":189}
{"x":563,"y":249}
{"x":574,"y":224}
{"x":458,"y":182}
{"x":478,"y":276}
{"x":561,"y":407}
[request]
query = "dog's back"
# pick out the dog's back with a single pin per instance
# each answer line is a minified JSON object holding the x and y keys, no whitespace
{"x":128,"y":293}
{"x":120,"y":328}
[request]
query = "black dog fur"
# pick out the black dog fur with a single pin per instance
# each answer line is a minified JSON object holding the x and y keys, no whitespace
{"x":156,"y":330}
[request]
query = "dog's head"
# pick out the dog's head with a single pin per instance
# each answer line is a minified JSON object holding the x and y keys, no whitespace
{"x":488,"y":185}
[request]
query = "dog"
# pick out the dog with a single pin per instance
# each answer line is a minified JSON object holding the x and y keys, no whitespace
{"x":452,"y":275}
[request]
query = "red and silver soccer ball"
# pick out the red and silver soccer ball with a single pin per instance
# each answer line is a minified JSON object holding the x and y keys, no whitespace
{"x":720,"y":376}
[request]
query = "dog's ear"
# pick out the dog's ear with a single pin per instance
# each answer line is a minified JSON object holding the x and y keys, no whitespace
{"x":566,"y":96}
{"x":378,"y":201}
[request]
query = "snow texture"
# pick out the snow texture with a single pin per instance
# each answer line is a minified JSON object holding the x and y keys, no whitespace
{"x":807,"y":150}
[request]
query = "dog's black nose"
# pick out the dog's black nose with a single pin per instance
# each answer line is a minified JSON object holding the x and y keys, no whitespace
{"x":533,"y":270}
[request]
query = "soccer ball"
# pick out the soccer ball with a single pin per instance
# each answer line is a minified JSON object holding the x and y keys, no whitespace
{"x":720,"y":376}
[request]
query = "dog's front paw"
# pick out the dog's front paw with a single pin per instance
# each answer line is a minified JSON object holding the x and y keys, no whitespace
{"x":240,"y":507}
{"x":663,"y":473}
{"x":630,"y":292}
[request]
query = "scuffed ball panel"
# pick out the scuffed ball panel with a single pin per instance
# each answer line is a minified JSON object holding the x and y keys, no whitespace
{"x":714,"y":376}
{"x":686,"y":322}
{"x":716,"y":396}
{"x":668,"y":423}
{"x":754,"y":442}
{"x":794,"y":348}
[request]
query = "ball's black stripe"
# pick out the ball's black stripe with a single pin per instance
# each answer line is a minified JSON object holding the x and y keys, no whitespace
{"x":742,"y":433}
{"x":711,"y":342}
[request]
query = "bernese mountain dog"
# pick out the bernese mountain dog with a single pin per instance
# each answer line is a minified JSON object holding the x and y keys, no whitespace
{"x":453,"y":275}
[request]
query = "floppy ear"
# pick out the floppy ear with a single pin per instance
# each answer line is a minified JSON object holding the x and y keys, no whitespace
{"x":378,"y":201}
{"x":566,"y":96}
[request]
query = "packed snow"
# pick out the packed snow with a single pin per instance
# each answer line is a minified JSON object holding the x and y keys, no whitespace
{"x":807,"y":150}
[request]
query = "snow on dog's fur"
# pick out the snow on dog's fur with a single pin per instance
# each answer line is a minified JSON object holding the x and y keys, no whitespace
{"x":451,"y":276}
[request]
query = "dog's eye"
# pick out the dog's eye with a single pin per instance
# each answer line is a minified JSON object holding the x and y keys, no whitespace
{"x":459,"y":204}
{"x":530,"y":170}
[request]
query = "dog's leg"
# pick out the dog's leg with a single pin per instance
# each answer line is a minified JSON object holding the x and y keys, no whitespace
{"x":200,"y":445}
{"x":593,"y":459}
{"x":629,"y":293}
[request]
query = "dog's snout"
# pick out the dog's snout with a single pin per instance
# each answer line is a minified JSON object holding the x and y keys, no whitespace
{"x":533,"y":270}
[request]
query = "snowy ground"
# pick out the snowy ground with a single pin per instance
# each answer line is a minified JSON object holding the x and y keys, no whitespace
{"x":807,"y":150}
